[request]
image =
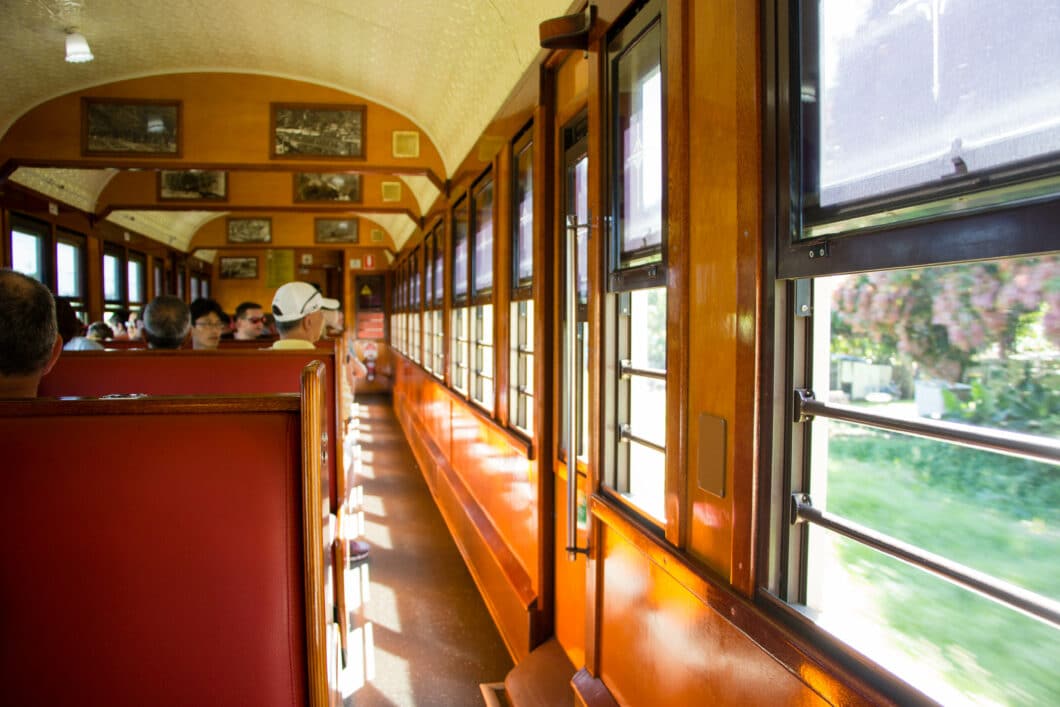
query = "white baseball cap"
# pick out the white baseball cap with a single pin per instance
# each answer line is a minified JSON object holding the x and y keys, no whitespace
{"x":298,"y":299}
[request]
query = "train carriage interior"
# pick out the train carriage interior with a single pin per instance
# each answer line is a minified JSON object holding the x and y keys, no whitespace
{"x":689,"y":352}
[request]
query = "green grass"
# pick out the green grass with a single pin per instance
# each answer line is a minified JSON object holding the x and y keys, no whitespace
{"x":983,"y":648}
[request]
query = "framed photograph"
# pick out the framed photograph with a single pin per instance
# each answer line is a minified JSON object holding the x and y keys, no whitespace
{"x":326,"y":130}
{"x":335,"y":230}
{"x":249,"y":230}
{"x":192,"y":185}
{"x":138,"y":127}
{"x":327,"y":186}
{"x":239,"y":268}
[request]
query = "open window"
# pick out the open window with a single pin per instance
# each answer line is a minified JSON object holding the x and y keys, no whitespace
{"x":918,"y":310}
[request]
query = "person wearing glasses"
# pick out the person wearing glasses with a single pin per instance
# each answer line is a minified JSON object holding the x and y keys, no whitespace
{"x":207,"y":323}
{"x":250,"y":321}
{"x":299,"y":308}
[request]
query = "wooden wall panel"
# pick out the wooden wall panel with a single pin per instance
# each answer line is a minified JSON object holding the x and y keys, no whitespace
{"x":661,"y":645}
{"x":225,"y":121}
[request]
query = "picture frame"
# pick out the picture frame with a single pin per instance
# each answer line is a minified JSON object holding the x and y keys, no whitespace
{"x":241,"y":267}
{"x":318,"y":130}
{"x":135,"y":127}
{"x":316,"y":187}
{"x":336,"y":230}
{"x":249,"y":230}
{"x":192,"y":185}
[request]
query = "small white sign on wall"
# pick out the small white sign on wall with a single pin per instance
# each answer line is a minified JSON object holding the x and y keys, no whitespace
{"x":355,"y":263}
{"x":307,"y":258}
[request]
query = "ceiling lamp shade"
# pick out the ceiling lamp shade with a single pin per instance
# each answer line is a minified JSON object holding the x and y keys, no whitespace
{"x":77,"y":50}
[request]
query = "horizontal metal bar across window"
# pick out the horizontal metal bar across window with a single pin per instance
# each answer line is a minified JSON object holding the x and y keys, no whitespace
{"x":626,"y":433}
{"x":1034,"y":605}
{"x":626,"y":370}
{"x":1021,"y":445}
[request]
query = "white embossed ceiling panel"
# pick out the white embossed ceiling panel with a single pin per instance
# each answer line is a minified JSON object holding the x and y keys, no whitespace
{"x":446,"y":64}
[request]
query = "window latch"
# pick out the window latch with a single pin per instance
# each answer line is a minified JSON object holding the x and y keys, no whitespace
{"x":801,"y":397}
{"x":800,"y":502}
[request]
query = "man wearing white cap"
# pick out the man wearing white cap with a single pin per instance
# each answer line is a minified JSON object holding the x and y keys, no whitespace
{"x":299,"y":311}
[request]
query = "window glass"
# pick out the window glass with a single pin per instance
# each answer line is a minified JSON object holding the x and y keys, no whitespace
{"x":68,"y":269}
{"x":460,"y":262}
{"x":524,"y":217}
{"x":902,"y":95}
{"x":521,"y":376}
{"x":973,"y":344}
{"x":483,"y":268}
{"x":27,"y":254}
{"x":638,"y":112}
{"x":112,"y":290}
{"x":136,"y":280}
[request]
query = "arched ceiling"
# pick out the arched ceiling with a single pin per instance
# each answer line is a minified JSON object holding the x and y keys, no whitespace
{"x":447,"y":65}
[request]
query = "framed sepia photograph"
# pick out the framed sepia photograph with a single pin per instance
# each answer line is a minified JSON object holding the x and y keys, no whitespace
{"x":140,"y":127}
{"x":317,"y":130}
{"x":335,"y":230}
{"x":239,"y":268}
{"x":192,"y":185}
{"x":249,"y":230}
{"x":327,"y":186}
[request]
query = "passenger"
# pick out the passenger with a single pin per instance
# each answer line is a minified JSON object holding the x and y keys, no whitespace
{"x":299,"y":311}
{"x":118,"y":321}
{"x":166,"y":322}
{"x":69,"y":324}
{"x":250,"y":321}
{"x":269,"y":327}
{"x":333,"y":322}
{"x":29,"y":334}
{"x":207,"y":323}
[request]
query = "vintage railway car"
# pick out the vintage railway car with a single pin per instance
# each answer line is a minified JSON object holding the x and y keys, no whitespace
{"x":725,"y":335}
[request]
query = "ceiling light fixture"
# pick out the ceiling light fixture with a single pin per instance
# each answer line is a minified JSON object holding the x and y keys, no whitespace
{"x":77,"y":50}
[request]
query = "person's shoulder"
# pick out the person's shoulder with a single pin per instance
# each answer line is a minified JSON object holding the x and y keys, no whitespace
{"x":80,"y":343}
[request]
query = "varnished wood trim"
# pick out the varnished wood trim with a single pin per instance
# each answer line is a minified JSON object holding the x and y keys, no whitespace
{"x":313,"y":518}
{"x":149,"y":405}
{"x":590,"y":691}
{"x":820,"y":673}
{"x":677,"y":161}
{"x":519,"y":443}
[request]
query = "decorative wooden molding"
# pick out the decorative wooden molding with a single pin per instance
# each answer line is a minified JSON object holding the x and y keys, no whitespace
{"x":568,"y":31}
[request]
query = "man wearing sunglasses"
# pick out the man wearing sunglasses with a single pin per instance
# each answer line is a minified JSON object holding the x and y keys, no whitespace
{"x":249,"y":321}
{"x":299,"y":311}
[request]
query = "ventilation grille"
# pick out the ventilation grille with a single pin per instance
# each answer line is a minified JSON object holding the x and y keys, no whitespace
{"x":377,"y":235}
{"x":406,"y":143}
{"x":391,"y":191}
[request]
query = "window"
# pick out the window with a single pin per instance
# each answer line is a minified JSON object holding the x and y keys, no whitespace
{"x":70,"y":270}
{"x":439,"y":300}
{"x":428,"y":302}
{"x":482,"y":375}
{"x":574,"y":294}
{"x":919,"y":307}
{"x":113,"y":281}
{"x":29,"y":247}
{"x":460,"y":324}
{"x":521,"y":375}
{"x":636,"y":303}
{"x":938,"y":99}
{"x":415,"y":312}
{"x":137,"y":281}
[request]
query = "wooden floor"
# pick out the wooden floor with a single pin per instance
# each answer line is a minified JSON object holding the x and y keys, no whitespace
{"x":419,"y":631}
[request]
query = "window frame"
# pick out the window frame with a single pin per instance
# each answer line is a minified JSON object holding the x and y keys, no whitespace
{"x":1024,"y":227}
{"x":521,"y":379}
{"x":623,"y":279}
{"x":482,"y":383}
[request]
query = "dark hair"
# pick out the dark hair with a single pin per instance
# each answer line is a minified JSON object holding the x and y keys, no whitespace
{"x":121,"y":316}
{"x":27,"y":324}
{"x":101,"y":330}
{"x":166,"y":322}
{"x":204,"y":305}
{"x":243,"y":307}
{"x":65,"y":316}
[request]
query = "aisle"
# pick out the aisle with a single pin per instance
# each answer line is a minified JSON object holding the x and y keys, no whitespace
{"x":419,"y":631}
